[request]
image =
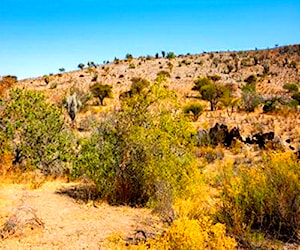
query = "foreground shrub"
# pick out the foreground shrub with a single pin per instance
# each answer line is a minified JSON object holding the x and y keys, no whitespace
{"x":263,"y":198}
{"x":35,"y":133}
{"x":143,"y":143}
{"x":193,"y":234}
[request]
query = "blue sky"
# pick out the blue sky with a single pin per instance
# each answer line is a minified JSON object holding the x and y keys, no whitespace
{"x":40,"y":36}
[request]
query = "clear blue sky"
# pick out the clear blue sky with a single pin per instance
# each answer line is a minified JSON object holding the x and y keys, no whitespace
{"x":38,"y":37}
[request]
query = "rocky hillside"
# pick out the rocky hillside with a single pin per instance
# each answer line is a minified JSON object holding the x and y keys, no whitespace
{"x":274,"y":68}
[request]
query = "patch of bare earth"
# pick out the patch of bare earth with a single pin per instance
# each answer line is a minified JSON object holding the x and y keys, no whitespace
{"x":45,"y":219}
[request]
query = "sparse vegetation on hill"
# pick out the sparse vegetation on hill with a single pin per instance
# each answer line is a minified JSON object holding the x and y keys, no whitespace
{"x":228,"y":177}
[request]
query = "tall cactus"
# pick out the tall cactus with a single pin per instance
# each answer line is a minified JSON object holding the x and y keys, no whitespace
{"x":73,"y":105}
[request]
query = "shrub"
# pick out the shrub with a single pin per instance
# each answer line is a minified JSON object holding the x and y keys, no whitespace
{"x":292,"y":87}
{"x":263,"y":198}
{"x":250,"y":100}
{"x":195,"y":108}
{"x":250,"y":83}
{"x":142,"y":143}
{"x":131,"y":66}
{"x":193,"y":234}
{"x":36,"y":133}
{"x":171,"y":55}
{"x":296,"y":96}
{"x":101,"y":91}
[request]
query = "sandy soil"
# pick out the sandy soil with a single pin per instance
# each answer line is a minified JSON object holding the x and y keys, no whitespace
{"x":67,"y":224}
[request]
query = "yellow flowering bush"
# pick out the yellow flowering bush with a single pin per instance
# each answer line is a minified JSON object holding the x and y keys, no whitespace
{"x":264,"y":197}
{"x":186,"y":234}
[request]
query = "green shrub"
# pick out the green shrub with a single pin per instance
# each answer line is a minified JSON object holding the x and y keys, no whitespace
{"x":293,"y":87}
{"x":171,"y":55}
{"x":263,"y":198}
{"x":296,"y":96}
{"x":195,"y":108}
{"x":250,"y":83}
{"x":36,"y":132}
{"x":137,"y":146}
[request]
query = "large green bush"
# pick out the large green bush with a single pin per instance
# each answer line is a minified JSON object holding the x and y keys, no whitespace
{"x":145,"y":142}
{"x":35,"y":132}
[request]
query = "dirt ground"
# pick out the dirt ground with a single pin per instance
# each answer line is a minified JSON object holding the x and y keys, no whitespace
{"x":45,"y":219}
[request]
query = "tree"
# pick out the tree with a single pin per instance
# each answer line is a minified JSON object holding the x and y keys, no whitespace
{"x":170,"y":55}
{"x":145,"y":142}
{"x":81,"y":66}
{"x":211,"y":91}
{"x":91,"y":64}
{"x":36,"y":133}
{"x":163,"y":53}
{"x":195,"y":108}
{"x":101,"y":91}
{"x":62,"y":70}
{"x":129,"y":57}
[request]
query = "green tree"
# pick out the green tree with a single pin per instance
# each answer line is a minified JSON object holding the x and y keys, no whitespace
{"x":36,"y":132}
{"x":81,"y":66}
{"x":62,"y":70}
{"x":129,"y":57}
{"x":101,"y":91}
{"x":143,"y":143}
{"x":211,"y":91}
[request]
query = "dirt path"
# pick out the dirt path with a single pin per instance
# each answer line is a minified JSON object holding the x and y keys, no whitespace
{"x":67,"y":224}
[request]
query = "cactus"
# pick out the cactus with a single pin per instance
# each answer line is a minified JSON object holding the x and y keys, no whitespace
{"x":73,"y":105}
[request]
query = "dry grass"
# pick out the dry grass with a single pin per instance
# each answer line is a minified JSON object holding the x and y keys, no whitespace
{"x":62,"y":222}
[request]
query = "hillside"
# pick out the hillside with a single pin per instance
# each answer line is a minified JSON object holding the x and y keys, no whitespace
{"x":273,"y":67}
{"x":188,"y":152}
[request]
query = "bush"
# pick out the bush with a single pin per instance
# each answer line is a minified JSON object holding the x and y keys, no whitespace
{"x":263,"y":198}
{"x":137,"y":146}
{"x":250,"y":83}
{"x":250,"y":100}
{"x":171,"y":55}
{"x":195,"y":108}
{"x":35,"y":132}
{"x":193,"y":234}
{"x":292,"y":87}
{"x":296,"y":96}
